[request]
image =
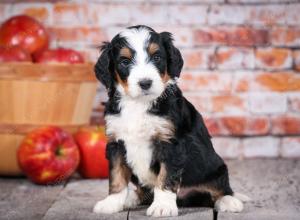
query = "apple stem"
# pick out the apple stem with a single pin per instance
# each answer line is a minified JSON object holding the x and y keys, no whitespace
{"x":98,"y":128}
{"x":58,"y":151}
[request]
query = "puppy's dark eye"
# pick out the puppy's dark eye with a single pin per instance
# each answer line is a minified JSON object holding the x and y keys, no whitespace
{"x":125,"y":62}
{"x":156,"y":58}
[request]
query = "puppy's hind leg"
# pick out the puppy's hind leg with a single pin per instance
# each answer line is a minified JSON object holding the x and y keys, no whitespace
{"x":229,"y":204}
{"x":225,"y":201}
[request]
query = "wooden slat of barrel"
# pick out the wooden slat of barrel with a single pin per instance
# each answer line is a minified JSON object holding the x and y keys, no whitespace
{"x":51,"y":102}
{"x":8,"y":158}
{"x":48,"y":72}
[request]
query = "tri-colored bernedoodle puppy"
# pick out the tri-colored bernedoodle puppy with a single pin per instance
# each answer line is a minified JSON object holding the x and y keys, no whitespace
{"x":156,"y":138}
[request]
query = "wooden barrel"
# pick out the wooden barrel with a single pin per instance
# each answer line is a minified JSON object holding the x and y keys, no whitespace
{"x":34,"y":95}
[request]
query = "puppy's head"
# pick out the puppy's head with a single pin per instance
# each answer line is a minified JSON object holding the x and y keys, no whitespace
{"x":139,"y":63}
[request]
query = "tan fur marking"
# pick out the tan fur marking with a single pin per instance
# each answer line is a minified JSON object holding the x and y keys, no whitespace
{"x":141,"y":193}
{"x":215,"y":193}
{"x":165,"y":77}
{"x":122,"y":83}
{"x":161,"y":178}
{"x":153,"y":47}
{"x":125,"y":52}
{"x":120,"y":175}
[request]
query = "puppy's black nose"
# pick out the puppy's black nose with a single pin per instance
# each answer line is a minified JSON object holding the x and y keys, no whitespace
{"x":145,"y":84}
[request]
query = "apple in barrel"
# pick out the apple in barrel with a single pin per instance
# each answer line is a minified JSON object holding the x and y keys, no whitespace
{"x":48,"y":155}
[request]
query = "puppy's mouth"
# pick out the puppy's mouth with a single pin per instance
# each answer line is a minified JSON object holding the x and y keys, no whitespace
{"x":146,"y":93}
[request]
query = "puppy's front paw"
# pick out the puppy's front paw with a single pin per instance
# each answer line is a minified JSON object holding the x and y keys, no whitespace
{"x":229,"y":204}
{"x":132,"y":199}
{"x":112,"y":203}
{"x":162,"y":209}
{"x":108,"y":205}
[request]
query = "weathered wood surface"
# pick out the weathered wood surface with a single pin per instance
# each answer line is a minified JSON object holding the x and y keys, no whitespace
{"x":274,"y":186}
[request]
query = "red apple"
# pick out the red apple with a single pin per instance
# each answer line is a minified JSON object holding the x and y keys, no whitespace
{"x":92,"y":146}
{"x":24,"y":31}
{"x":14,"y":53}
{"x":60,"y":55}
{"x":48,"y":155}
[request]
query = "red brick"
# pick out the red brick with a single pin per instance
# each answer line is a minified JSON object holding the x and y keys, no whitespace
{"x":258,"y":126}
{"x":296,"y":56}
{"x":234,"y":58}
{"x":285,"y":36}
{"x":290,"y":147}
{"x":237,"y":36}
{"x":273,"y":58}
{"x":267,"y":81}
{"x":228,"y":104}
{"x":198,"y":58}
{"x":205,"y":82}
{"x":213,"y":125}
{"x":281,"y":82}
{"x":286,"y":124}
{"x":237,"y":125}
{"x":234,"y":125}
{"x":70,"y":13}
{"x":243,"y":125}
{"x":242,"y":81}
{"x":75,"y":34}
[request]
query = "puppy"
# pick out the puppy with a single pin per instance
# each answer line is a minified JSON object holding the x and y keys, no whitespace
{"x":156,"y":138}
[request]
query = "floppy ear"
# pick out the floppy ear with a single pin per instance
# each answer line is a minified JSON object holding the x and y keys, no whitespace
{"x":174,"y":58}
{"x":103,"y":66}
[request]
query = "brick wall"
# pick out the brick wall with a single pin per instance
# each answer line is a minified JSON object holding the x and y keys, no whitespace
{"x":242,"y":60}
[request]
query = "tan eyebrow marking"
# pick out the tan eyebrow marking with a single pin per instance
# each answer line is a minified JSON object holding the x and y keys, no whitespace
{"x":125,"y":52}
{"x":153,"y":47}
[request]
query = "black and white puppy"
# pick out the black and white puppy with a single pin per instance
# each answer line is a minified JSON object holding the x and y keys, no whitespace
{"x":157,"y":139}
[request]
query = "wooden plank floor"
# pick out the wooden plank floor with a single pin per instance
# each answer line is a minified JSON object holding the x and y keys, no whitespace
{"x":274,"y":186}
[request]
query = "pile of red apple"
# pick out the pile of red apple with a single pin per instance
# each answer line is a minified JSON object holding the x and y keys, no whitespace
{"x":24,"y":39}
{"x":50,"y":155}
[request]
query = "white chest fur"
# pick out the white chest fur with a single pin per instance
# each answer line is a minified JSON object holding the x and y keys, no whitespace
{"x":136,"y":128}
